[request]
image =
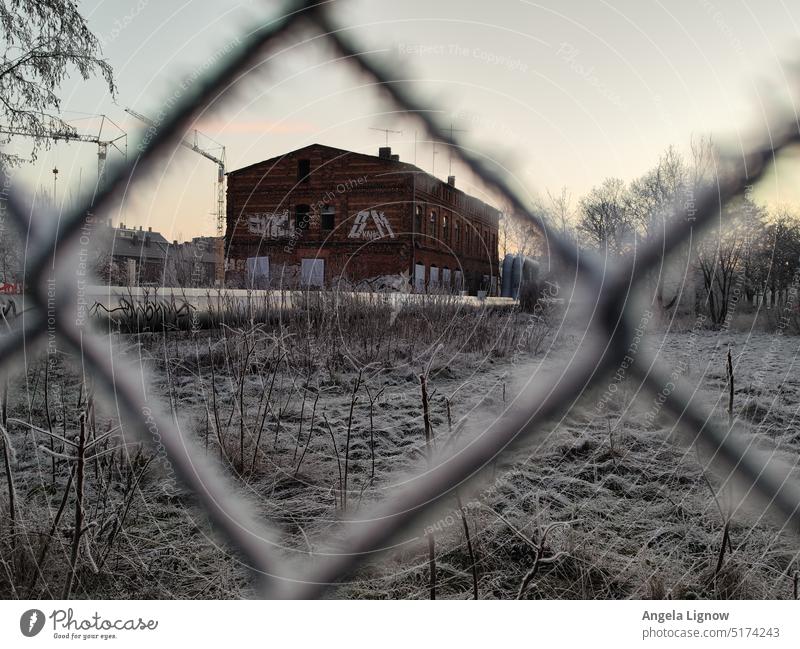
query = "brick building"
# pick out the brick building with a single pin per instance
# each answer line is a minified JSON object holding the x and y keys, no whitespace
{"x":321,"y":216}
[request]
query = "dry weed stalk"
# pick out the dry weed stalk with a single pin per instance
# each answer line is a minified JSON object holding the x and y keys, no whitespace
{"x":423,"y":381}
{"x":539,"y":560}
{"x":462,"y":512}
{"x":353,"y":399}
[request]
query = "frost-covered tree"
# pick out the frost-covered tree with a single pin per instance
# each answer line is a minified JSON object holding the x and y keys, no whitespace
{"x":43,"y":43}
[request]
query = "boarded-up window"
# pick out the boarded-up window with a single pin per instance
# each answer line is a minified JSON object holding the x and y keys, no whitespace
{"x":312,"y":272}
{"x":257,"y":272}
{"x":419,"y":278}
{"x":434,"y":283}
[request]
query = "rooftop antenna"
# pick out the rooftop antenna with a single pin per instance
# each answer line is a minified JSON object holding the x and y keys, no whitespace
{"x":386,"y":132}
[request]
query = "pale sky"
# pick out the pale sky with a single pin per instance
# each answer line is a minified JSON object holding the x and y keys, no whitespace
{"x":563,"y":92}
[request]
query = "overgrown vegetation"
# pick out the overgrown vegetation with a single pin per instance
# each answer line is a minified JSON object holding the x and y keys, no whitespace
{"x":288,"y":405}
{"x":316,"y":411}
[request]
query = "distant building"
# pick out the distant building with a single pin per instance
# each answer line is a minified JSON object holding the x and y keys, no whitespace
{"x":194,"y":263}
{"x":135,"y":256}
{"x":131,"y":256}
{"x":321,"y":216}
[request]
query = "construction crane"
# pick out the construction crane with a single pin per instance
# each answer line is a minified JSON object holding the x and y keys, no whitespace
{"x":219,"y":161}
{"x":67,"y":136}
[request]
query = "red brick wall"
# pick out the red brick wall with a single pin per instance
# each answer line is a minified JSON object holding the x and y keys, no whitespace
{"x":374,"y":202}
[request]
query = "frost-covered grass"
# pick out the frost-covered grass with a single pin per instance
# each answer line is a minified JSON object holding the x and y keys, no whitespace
{"x":610,"y":499}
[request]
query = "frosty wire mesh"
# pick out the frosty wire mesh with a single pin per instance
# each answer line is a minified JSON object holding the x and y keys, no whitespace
{"x":257,"y":543}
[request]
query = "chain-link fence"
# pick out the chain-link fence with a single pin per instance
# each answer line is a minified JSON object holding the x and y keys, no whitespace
{"x":47,"y":246}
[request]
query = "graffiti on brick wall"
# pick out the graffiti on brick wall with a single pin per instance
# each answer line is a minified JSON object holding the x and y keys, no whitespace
{"x":271,"y":225}
{"x":371,"y":224}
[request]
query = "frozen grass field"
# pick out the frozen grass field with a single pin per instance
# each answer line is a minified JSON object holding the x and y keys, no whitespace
{"x":317,"y":418}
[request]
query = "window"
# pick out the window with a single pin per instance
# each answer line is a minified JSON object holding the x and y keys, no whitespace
{"x":303,"y":170}
{"x":418,"y":218}
{"x":301,"y":217}
{"x":419,"y":278}
{"x":445,"y":230}
{"x":432,"y":226}
{"x":257,"y":272}
{"x":312,"y":272}
{"x":327,"y":220}
{"x":433,"y":284}
{"x":456,"y":233}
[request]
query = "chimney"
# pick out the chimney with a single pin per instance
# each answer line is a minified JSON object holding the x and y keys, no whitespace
{"x":150,"y":228}
{"x":451,"y":180}
{"x":385,"y":153}
{"x":396,"y":157}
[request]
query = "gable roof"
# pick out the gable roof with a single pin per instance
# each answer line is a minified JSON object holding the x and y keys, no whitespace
{"x":332,"y":149}
{"x":400,"y":165}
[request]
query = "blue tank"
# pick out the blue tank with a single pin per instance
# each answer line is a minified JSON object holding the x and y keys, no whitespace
{"x":518,"y":270}
{"x":508,"y":262}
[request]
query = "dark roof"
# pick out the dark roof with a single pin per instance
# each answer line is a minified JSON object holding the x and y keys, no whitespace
{"x":141,"y":244}
{"x":406,"y":165}
{"x":400,"y":165}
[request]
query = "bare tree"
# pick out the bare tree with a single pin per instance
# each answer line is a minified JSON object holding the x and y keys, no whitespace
{"x":655,"y":196}
{"x":560,"y":211}
{"x":773,"y":256}
{"x":43,"y":41}
{"x":653,"y":200}
{"x":518,"y":235}
{"x":605,"y":217}
{"x":109,"y":271}
{"x":720,"y":258}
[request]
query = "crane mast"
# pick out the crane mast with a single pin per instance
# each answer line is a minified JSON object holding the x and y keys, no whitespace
{"x":220,"y":215}
{"x":219,"y":161}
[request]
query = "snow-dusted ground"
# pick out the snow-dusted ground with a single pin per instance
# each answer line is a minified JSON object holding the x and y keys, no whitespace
{"x":641,"y":507}
{"x":638,"y":513}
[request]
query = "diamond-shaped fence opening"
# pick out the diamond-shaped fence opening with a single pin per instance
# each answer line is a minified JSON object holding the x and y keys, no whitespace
{"x":257,"y":543}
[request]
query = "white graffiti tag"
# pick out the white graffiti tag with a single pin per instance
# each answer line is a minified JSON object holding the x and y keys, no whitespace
{"x":269,"y":225}
{"x":360,"y":230}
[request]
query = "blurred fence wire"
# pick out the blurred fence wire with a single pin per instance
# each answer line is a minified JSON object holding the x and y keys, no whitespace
{"x":257,"y":543}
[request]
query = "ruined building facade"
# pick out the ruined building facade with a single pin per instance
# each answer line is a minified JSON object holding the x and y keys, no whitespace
{"x":321,"y":216}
